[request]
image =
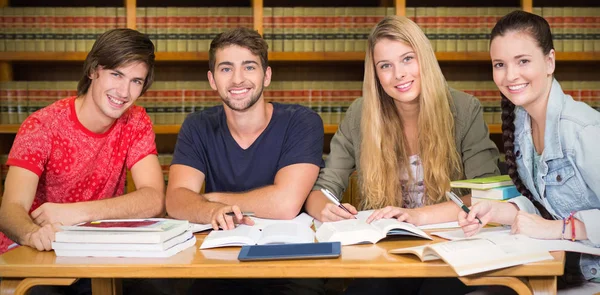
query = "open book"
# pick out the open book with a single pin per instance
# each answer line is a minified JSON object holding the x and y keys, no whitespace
{"x":358,"y":231}
{"x":264,"y":231}
{"x":276,"y":233}
{"x":549,"y":245}
{"x":481,"y":253}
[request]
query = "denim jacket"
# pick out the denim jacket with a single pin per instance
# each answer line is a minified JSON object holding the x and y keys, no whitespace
{"x":569,"y":173}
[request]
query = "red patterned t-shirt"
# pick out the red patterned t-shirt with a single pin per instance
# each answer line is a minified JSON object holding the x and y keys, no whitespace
{"x":73,"y":163}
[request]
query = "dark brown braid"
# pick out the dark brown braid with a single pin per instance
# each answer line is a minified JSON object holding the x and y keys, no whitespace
{"x":508,"y":136}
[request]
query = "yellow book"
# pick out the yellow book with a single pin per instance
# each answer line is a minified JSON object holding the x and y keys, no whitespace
{"x":330,"y":30}
{"x":80,"y":28}
{"x":179,"y":101}
{"x":596,"y":30}
{"x":29,"y":28}
{"x":442,"y":29}
{"x":159,"y":88}
{"x":19,"y":27}
{"x":569,"y":30}
{"x":588,"y":33}
{"x":320,"y":31}
{"x":578,"y":37}
{"x":161,"y":29}
{"x":299,"y":29}
{"x":172,"y":29}
{"x":151,"y":25}
{"x":278,"y":30}
{"x":288,"y":29}
{"x":203,"y":29}
{"x":471,"y":28}
{"x":310,"y":32}
{"x":140,"y":20}
{"x":268,"y":26}
{"x":182,"y":29}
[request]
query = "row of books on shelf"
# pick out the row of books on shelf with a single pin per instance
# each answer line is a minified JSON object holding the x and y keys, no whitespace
{"x":450,"y":29}
{"x":170,"y":102}
{"x":56,"y":29}
{"x":286,"y":29}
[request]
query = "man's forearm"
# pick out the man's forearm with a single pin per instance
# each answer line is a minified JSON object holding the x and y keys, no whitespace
{"x":142,"y":203}
{"x":185,"y":204}
{"x":265,"y":202}
{"x":16,"y":223}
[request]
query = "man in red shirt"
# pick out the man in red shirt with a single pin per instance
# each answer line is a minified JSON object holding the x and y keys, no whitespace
{"x":69,"y":160}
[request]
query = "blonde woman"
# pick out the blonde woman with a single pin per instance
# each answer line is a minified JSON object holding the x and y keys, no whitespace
{"x":408,"y":137}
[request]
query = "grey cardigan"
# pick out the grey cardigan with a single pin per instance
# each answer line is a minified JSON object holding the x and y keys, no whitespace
{"x":478,"y":153}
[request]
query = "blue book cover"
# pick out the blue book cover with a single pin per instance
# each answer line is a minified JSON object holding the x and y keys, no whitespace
{"x":498,"y":193}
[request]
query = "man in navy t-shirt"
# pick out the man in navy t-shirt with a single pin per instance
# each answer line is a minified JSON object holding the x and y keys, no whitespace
{"x":255,"y":156}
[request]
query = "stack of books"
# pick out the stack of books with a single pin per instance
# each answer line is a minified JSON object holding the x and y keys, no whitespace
{"x":155,"y":237}
{"x":496,"y":188}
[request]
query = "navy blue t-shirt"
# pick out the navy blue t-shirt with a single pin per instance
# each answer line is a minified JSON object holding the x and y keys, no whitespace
{"x":294,"y":135}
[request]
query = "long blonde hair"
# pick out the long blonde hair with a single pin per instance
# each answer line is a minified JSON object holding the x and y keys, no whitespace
{"x":384,"y":147}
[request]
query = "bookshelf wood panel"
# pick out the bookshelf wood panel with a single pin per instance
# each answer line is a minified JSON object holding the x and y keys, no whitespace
{"x":286,"y":56}
{"x":174,"y":129}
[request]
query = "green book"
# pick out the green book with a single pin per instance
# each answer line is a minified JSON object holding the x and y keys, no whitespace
{"x":483,"y":183}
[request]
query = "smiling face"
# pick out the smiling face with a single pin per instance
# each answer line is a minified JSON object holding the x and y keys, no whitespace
{"x":521,"y":70}
{"x":397,"y":69}
{"x":238,"y":77}
{"x":114,"y":91}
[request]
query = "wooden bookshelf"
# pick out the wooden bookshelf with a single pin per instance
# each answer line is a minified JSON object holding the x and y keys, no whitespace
{"x":174,"y":129}
{"x":9,"y":129}
{"x":286,"y":56}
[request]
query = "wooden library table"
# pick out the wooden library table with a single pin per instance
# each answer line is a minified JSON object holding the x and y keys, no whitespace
{"x":24,"y":268}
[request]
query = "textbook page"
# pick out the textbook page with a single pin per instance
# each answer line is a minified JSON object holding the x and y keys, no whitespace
{"x":289,"y":233}
{"x":357,"y":231}
{"x":549,"y":245}
{"x":286,"y":232}
{"x":349,"y":232}
{"x":239,"y":236}
{"x":392,"y":227}
{"x":475,"y":255}
{"x":470,"y":256}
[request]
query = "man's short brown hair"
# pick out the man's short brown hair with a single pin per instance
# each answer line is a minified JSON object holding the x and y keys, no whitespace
{"x":116,"y":48}
{"x":242,"y":37}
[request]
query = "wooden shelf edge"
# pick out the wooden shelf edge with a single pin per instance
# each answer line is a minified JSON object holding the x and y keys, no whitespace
{"x":166,"y":129}
{"x":174,"y":129}
{"x":9,"y":128}
{"x":284,"y":56}
{"x":495,"y":128}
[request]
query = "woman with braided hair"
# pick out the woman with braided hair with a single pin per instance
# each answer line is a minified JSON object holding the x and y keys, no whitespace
{"x":550,"y":142}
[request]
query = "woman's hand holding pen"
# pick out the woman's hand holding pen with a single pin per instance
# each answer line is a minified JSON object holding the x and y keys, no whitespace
{"x":412,"y":216}
{"x":484,"y":210}
{"x":331,"y":212}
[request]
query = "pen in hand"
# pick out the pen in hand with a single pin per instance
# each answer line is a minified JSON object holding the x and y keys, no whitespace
{"x":460,"y":203}
{"x":335,"y":201}
{"x":243,"y":213}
